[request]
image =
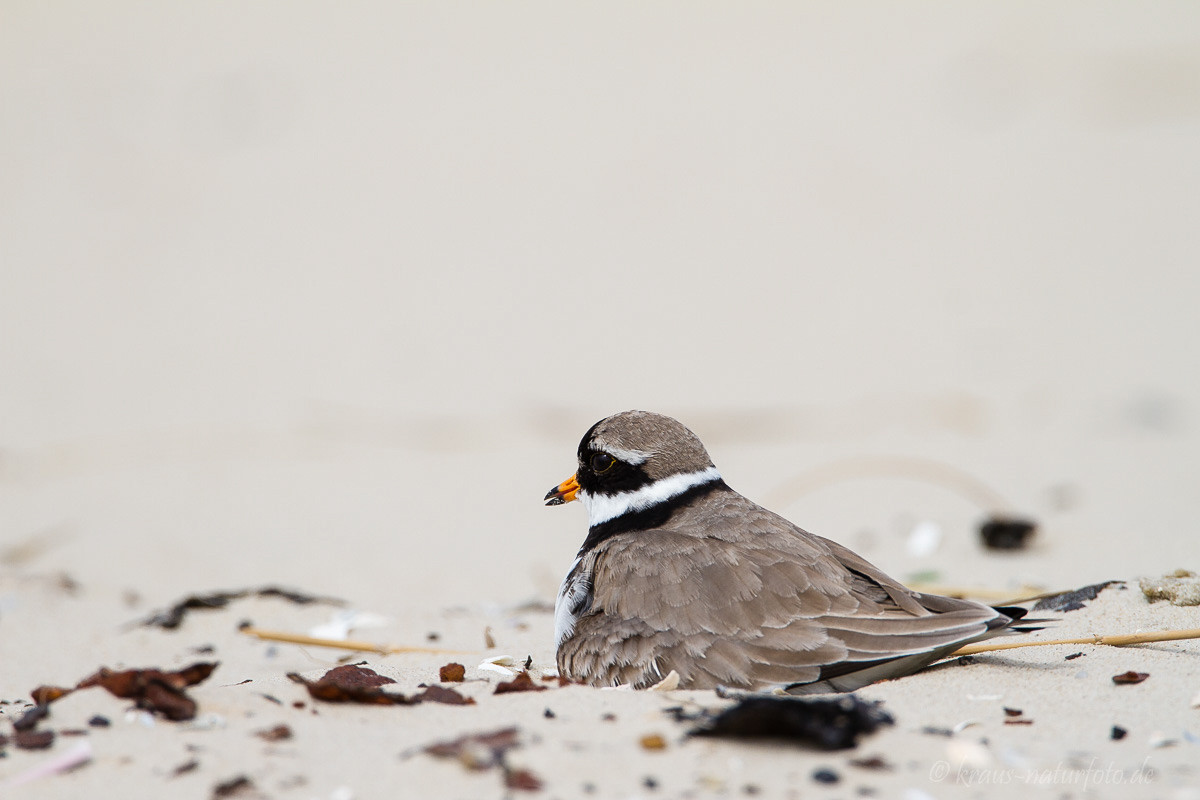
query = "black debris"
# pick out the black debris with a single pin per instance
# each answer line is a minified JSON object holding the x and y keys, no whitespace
{"x":1006,"y":533}
{"x":241,"y":786}
{"x":1118,"y":733}
{"x":32,"y":717}
{"x":825,"y":775}
{"x":680,"y":714}
{"x":825,"y":723}
{"x":99,"y":721}
{"x":1073,"y":656}
{"x":33,"y":740}
{"x":548,"y":714}
{"x":1072,"y":600}
{"x":173,"y":617}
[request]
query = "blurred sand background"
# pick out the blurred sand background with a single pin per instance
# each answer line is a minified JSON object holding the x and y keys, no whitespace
{"x":326,"y":295}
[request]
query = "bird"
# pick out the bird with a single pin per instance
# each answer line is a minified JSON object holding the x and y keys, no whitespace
{"x":679,"y":572}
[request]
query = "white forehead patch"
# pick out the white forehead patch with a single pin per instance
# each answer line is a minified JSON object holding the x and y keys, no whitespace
{"x":603,"y":507}
{"x":628,"y":456}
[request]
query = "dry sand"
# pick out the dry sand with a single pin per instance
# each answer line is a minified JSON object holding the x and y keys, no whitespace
{"x":324,"y":298}
{"x":952,"y":735}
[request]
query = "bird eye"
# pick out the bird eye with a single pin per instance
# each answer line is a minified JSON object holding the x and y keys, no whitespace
{"x":602,"y":462}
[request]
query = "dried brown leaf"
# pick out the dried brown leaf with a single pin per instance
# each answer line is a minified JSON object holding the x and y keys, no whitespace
{"x":334,"y":693}
{"x":521,"y":683}
{"x":522,"y":779}
{"x":153,"y":689}
{"x":441,"y":694}
{"x":277,"y":734}
{"x":43,"y":695}
{"x":1130,"y":677}
{"x":452,"y":673}
{"x":240,"y":786}
{"x":477,"y":751}
{"x":355,"y":676}
{"x":33,"y":740}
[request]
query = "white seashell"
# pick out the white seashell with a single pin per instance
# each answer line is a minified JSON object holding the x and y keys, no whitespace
{"x":499,"y":665}
{"x":924,"y":538}
{"x":343,"y":622}
{"x":145,"y":718}
{"x":666,"y":684}
{"x":963,"y":753}
{"x":207,"y":722}
{"x":504,"y":661}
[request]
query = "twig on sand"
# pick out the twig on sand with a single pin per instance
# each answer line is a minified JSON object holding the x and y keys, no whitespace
{"x":342,"y":644}
{"x":1024,"y":593}
{"x":1118,"y":640}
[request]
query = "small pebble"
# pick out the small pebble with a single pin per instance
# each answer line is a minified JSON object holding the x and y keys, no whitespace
{"x":1118,"y":733}
{"x":825,"y":776}
{"x":653,"y":741}
{"x":99,"y":722}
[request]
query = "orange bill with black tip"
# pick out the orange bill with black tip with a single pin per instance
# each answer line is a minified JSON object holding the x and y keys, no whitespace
{"x":565,"y":492}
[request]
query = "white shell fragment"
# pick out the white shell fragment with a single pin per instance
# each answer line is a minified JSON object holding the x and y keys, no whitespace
{"x":924,"y":538}
{"x":666,"y":684}
{"x":968,"y":754}
{"x":343,"y":622}
{"x":499,"y":665}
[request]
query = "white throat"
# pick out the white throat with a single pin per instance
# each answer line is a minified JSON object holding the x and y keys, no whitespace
{"x":603,"y":507}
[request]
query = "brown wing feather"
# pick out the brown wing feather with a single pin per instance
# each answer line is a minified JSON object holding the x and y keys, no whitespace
{"x":732,"y":594}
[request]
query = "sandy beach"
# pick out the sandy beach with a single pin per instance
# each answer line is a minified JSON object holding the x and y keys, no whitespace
{"x":323,"y":300}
